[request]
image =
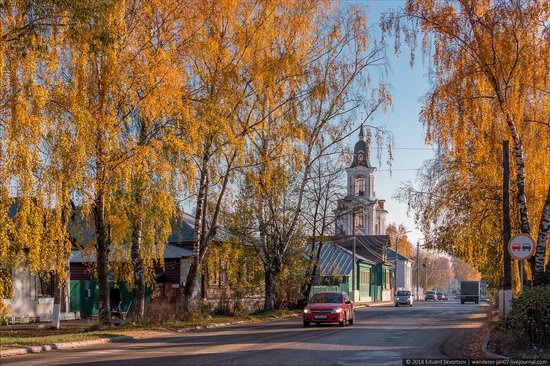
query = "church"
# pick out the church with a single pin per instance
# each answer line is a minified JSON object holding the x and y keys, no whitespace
{"x":360,"y":212}
{"x":360,"y":228}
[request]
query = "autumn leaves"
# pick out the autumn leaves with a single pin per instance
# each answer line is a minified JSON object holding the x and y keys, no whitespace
{"x":116,"y":111}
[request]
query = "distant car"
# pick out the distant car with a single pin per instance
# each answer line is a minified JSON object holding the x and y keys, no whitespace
{"x":441,"y":296}
{"x":403,"y":298}
{"x":329,"y":307}
{"x":430,"y":296}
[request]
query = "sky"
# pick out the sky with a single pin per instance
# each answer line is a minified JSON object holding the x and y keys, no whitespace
{"x":408,"y":85}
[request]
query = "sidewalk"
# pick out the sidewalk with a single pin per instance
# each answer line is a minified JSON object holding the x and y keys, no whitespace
{"x":47,"y":325}
{"x":374,"y":304}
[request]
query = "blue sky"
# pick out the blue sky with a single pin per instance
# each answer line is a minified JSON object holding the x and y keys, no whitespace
{"x":407,"y":86}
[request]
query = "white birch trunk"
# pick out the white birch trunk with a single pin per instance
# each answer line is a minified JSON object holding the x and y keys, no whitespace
{"x":539,"y":278}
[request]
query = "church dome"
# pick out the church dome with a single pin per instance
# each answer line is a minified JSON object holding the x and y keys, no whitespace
{"x":361,"y":151}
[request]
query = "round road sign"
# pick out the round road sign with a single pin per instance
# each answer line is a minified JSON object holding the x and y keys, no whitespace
{"x":521,"y":247}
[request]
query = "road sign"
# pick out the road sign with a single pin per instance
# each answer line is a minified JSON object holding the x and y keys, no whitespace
{"x":521,"y":247}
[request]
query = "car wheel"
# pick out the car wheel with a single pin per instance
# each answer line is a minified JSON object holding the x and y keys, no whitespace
{"x":461,"y":301}
{"x":342,"y":323}
{"x":306,"y":324}
{"x":396,"y":304}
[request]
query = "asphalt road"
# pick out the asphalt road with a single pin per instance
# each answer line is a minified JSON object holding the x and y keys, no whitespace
{"x":380,"y":336}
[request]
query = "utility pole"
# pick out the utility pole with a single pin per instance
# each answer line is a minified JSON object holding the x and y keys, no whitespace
{"x":505,"y":293}
{"x":395,"y":264}
{"x":417,"y":266}
{"x":353,"y":280}
{"x":426,"y":273}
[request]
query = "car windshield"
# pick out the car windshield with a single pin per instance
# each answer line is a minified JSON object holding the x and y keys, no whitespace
{"x":403,"y":293}
{"x":431,"y":293}
{"x":326,"y":298}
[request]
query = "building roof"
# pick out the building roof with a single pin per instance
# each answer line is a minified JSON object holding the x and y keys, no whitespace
{"x":170,"y":252}
{"x":390,"y":254}
{"x":361,"y":151}
{"x":183,"y":229}
{"x":371,"y":247}
{"x":336,"y":260}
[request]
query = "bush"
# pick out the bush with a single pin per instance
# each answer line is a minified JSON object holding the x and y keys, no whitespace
{"x":529,"y":320}
{"x":162,"y":312}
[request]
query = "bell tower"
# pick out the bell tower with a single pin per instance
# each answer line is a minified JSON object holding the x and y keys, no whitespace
{"x":360,"y":212}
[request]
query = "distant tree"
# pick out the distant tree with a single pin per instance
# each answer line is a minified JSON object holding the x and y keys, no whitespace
{"x":404,"y":246}
{"x":463,"y":271}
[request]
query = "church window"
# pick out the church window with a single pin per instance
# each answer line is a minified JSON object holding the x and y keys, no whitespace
{"x":359,"y":219}
{"x":371,"y":189}
{"x":360,"y":186}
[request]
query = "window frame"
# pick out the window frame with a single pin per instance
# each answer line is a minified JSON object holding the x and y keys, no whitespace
{"x":42,"y":285}
{"x":360,"y":186}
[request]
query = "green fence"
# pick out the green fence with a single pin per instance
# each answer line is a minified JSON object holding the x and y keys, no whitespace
{"x":85,"y":296}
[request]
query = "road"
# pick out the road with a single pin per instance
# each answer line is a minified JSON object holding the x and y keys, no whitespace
{"x":381,"y":336}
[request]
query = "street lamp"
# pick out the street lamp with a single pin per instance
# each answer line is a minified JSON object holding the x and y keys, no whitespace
{"x":398,"y":236}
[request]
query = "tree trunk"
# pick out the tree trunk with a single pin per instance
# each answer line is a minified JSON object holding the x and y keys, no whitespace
{"x":191,"y":281}
{"x":271,"y":276}
{"x":539,"y":273}
{"x":102,"y":247}
{"x":313,"y":274}
{"x":139,"y":272}
{"x":190,"y":293}
{"x":57,"y":296}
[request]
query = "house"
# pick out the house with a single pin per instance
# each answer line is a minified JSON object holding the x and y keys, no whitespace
{"x":404,"y":269}
{"x":84,"y":289}
{"x":33,"y":297}
{"x":33,"y":294}
{"x":335,"y":271}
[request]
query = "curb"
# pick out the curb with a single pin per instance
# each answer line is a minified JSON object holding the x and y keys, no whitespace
{"x":488,"y":353}
{"x":378,"y":304}
{"x":210,"y":326}
{"x":221,"y":325}
{"x":62,"y":345}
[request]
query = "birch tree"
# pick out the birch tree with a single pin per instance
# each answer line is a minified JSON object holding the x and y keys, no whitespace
{"x":332,"y":54}
{"x":488,"y":84}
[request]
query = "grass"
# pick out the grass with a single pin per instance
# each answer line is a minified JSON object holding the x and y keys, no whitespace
{"x":24,"y":338}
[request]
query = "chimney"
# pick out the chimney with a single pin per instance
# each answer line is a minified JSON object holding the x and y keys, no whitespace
{"x":381,"y":203}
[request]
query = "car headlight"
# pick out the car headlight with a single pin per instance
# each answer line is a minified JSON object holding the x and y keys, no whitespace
{"x":306,"y":311}
{"x":337,"y":310}
{"x":397,"y":298}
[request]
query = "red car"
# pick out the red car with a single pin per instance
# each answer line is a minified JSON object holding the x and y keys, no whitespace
{"x":329,"y":307}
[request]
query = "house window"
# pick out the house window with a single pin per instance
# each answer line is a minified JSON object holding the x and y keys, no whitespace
{"x":45,"y":284}
{"x":359,"y":219}
{"x":360,"y":185}
{"x":223,"y":274}
{"x":387,"y":285}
